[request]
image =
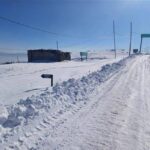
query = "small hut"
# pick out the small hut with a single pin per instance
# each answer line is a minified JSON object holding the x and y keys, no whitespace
{"x":47,"y":55}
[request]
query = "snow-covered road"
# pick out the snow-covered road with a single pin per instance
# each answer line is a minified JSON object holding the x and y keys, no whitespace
{"x":117,"y":117}
{"x":110,"y":112}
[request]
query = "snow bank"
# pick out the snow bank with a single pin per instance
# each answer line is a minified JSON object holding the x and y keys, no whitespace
{"x":62,"y":96}
{"x":3,"y":114}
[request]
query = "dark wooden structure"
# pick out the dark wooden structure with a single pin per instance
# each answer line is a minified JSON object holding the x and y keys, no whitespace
{"x":47,"y":55}
{"x":135,"y":51}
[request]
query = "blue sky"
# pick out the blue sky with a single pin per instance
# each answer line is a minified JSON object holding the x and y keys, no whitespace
{"x":79,"y":24}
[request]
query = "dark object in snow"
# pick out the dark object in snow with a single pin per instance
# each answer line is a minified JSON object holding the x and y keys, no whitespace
{"x":135,"y":51}
{"x":47,"y":55}
{"x":50,"y":76}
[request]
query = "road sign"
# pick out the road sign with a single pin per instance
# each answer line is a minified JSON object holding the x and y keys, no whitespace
{"x":145,"y":35}
{"x":83,"y":54}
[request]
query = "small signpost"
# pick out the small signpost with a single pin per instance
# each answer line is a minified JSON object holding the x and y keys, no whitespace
{"x":50,"y":76}
{"x":83,"y":55}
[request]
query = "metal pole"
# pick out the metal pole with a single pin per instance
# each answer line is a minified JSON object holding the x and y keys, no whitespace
{"x":114,"y":38}
{"x":57,"y":45}
{"x":141,"y":44}
{"x":130,"y":39}
{"x":17,"y":59}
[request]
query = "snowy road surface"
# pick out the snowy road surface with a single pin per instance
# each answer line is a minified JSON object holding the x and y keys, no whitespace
{"x":108,"y":114}
{"x":118,"y":116}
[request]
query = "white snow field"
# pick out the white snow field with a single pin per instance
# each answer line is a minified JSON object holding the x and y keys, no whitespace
{"x":19,"y":81}
{"x":107,"y":109}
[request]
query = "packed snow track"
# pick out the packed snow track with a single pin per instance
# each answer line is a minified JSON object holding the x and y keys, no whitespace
{"x":110,"y":110}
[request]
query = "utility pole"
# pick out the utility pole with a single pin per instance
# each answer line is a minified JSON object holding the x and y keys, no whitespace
{"x":17,"y":59}
{"x":141,"y":44}
{"x":114,"y":37}
{"x":130,"y":39}
{"x":57,"y":45}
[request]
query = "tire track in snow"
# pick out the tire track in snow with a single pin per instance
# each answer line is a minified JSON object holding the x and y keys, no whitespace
{"x":118,"y":120}
{"x":92,"y":107}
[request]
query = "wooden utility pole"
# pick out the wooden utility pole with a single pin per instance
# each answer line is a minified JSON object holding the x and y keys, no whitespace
{"x":130,"y":45}
{"x":114,"y":37}
{"x":57,"y":45}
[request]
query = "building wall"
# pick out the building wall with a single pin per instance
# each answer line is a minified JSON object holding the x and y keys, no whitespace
{"x":67,"y":56}
{"x":47,"y":56}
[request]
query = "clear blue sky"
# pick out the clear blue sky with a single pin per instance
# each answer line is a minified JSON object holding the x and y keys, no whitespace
{"x":80,"y":24}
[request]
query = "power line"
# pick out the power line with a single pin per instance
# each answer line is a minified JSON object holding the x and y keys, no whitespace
{"x":35,"y":28}
{"x":63,"y":35}
{"x":100,"y":39}
{"x":46,"y":31}
{"x":136,"y":33}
